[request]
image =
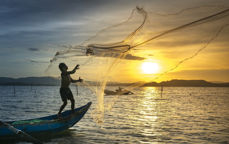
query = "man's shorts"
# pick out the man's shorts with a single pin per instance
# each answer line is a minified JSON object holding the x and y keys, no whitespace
{"x":66,"y":94}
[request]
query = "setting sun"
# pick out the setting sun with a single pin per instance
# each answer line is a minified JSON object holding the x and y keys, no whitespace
{"x":150,"y":68}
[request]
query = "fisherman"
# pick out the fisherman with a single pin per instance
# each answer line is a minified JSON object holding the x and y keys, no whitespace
{"x":119,"y":89}
{"x":65,"y":92}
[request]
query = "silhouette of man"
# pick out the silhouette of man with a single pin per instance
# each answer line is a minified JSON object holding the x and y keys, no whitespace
{"x":65,"y":92}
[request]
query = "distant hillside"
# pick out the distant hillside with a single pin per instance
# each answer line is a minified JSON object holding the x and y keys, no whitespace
{"x":187,"y":83}
{"x":30,"y":81}
{"x":54,"y":81}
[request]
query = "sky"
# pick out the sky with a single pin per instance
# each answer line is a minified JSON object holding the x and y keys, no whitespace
{"x":33,"y":31}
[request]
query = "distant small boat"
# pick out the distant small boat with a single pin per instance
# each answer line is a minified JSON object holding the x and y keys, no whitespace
{"x":45,"y":125}
{"x":119,"y":91}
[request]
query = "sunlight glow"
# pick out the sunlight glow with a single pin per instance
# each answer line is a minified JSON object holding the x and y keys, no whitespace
{"x":150,"y":68}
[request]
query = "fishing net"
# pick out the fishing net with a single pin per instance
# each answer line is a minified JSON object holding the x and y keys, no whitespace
{"x":173,"y":40}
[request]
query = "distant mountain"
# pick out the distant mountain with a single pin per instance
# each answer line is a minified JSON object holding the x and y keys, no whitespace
{"x":29,"y":81}
{"x":187,"y":83}
{"x":55,"y":81}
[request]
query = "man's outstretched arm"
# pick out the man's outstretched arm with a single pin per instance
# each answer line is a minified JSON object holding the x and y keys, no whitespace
{"x":74,"y":70}
{"x":75,"y":81}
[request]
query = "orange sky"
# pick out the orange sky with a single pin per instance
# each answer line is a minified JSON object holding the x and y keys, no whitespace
{"x":30,"y":38}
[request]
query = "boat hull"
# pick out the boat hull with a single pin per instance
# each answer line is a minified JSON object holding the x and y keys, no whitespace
{"x":124,"y":92}
{"x":49,"y":124}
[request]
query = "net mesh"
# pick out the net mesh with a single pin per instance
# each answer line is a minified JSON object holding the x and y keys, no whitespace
{"x":170,"y":39}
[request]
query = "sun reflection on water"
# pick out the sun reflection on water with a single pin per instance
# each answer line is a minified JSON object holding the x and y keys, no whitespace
{"x":150,"y":113}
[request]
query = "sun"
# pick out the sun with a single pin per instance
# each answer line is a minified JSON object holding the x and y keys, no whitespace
{"x":150,"y":68}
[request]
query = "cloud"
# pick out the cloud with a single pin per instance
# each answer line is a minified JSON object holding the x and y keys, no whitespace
{"x":27,"y":25}
{"x":127,"y":57}
{"x":37,"y":61}
{"x":33,"y":49}
{"x":132,"y":57}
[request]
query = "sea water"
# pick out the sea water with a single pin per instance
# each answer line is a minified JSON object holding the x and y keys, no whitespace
{"x":179,"y":115}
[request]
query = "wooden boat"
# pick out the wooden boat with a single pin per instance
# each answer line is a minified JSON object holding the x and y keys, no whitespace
{"x":44,"y":125}
{"x":121,"y":92}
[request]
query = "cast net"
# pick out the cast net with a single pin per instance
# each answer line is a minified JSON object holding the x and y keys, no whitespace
{"x":174,"y":40}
